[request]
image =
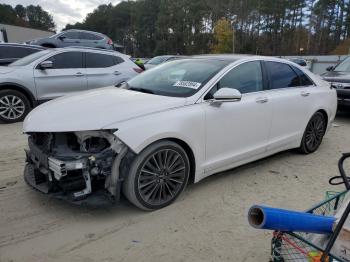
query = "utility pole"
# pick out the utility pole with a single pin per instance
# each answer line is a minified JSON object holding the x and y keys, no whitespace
{"x":233,"y":40}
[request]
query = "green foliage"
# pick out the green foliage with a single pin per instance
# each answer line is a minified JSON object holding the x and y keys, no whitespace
{"x":156,"y":27}
{"x":30,"y":16}
{"x":223,"y":36}
{"x":283,"y":27}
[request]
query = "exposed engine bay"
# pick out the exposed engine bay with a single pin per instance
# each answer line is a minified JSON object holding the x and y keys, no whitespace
{"x":74,"y":165}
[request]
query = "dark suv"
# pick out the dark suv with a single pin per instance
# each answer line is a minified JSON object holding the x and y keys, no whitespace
{"x":339,"y":76}
{"x":11,"y":52}
{"x":75,"y":37}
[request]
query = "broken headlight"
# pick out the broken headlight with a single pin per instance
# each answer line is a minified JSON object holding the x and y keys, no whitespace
{"x":94,"y":144}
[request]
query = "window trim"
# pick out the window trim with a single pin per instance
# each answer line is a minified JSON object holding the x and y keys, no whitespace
{"x":232,"y":67}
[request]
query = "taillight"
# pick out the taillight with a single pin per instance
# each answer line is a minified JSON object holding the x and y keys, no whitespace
{"x":110,"y":42}
{"x":138,"y":70}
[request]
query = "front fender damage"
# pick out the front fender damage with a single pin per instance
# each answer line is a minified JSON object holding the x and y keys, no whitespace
{"x":76,"y":166}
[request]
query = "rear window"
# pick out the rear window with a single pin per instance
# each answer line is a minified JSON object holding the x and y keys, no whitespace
{"x":95,"y":60}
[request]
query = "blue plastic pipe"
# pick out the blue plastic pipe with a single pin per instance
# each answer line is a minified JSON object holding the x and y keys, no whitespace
{"x":262,"y":217}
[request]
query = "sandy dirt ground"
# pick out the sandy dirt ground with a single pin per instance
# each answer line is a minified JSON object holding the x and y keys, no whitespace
{"x":207,"y":223}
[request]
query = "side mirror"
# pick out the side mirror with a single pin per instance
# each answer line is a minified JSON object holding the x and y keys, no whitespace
{"x":226,"y":94}
{"x":330,"y":68}
{"x":62,"y":37}
{"x":46,"y":65}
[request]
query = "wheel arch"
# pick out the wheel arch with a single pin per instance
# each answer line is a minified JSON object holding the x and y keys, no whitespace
{"x":20,"y":88}
{"x":184,"y":145}
{"x":190,"y":155}
{"x":325,"y":115}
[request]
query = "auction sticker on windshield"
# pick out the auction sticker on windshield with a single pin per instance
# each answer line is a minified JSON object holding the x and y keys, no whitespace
{"x":188,"y":84}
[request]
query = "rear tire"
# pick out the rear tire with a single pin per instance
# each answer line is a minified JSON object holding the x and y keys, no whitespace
{"x":157,"y":176}
{"x":313,"y":134}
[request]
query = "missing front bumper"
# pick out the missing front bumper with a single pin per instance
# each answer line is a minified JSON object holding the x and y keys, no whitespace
{"x":71,"y":181}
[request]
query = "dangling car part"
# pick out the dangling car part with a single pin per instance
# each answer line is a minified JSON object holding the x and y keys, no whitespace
{"x":71,"y":164}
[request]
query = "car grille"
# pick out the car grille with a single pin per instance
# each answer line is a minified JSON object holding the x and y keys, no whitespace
{"x":42,"y":140}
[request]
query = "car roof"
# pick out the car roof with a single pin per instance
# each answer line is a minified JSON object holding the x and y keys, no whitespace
{"x":167,"y":56}
{"x":23,"y":45}
{"x":235,"y":57}
{"x":224,"y":57}
{"x":85,"y":48}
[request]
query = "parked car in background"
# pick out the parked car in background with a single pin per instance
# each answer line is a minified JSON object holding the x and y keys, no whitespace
{"x":161,"y":59}
{"x":52,"y":73}
{"x":11,"y":52}
{"x":339,"y":76}
{"x":181,"y":121}
{"x":75,"y":37}
{"x":300,"y":61}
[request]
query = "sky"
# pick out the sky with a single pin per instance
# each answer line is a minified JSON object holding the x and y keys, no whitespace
{"x":64,"y":11}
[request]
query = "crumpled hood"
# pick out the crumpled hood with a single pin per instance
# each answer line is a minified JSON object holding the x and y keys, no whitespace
{"x":95,"y":109}
{"x":6,"y":69}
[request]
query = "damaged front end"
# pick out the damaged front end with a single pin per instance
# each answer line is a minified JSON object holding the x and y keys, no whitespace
{"x":75,"y":165}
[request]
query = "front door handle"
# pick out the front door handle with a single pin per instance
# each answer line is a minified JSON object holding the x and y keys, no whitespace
{"x":79,"y":74}
{"x":304,"y":93}
{"x":117,"y":73}
{"x":262,"y":100}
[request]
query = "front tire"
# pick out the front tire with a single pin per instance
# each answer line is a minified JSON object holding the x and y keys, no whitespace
{"x":14,"y":106}
{"x":157,"y":176}
{"x":313,"y":135}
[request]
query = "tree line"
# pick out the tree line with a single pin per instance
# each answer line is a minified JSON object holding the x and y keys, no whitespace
{"x":282,"y":27}
{"x":30,"y":16}
{"x":153,"y":27}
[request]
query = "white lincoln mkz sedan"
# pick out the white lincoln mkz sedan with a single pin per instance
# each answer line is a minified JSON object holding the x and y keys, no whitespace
{"x":177,"y":123}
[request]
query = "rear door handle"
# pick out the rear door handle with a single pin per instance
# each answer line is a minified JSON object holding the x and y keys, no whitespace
{"x":117,"y":73}
{"x":79,"y":74}
{"x":304,"y":93}
{"x":262,"y":100}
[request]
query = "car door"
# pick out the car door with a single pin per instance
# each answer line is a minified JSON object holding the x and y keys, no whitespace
{"x":238,"y":131}
{"x":103,"y":70}
{"x":291,"y":97}
{"x":69,"y":39}
{"x":67,"y":75}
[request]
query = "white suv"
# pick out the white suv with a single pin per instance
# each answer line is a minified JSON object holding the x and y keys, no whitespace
{"x":52,"y":73}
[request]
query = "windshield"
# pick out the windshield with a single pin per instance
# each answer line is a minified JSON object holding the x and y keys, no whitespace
{"x":29,"y":59}
{"x":343,"y":66}
{"x":156,"y":60}
{"x":180,"y":78}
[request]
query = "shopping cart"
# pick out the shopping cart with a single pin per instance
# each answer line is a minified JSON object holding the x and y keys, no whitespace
{"x":293,"y":246}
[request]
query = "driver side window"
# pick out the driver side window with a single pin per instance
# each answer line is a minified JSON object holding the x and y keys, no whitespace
{"x":246,"y":78}
{"x":71,"y":35}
